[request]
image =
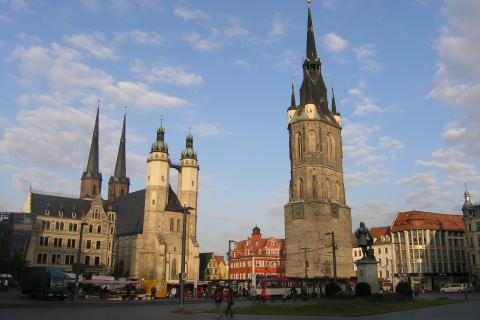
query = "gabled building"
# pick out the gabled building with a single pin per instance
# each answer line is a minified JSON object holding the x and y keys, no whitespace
{"x":257,"y":256}
{"x":212,"y":267}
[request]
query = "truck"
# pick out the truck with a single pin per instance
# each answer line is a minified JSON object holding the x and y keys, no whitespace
{"x":45,"y":282}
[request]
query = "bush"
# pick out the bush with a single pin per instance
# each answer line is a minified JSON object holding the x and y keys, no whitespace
{"x":404,"y":288}
{"x":363,"y":289}
{"x":331,"y":288}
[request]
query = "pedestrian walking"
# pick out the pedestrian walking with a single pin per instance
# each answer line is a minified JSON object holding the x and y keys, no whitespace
{"x":173,"y":292}
{"x":153,"y":292}
{"x":229,"y":301}
{"x":5,"y":285}
{"x":218,"y":298}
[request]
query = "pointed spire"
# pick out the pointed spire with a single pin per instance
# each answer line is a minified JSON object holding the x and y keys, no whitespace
{"x":311,"y":48}
{"x":121,"y":166}
{"x":334,"y":105}
{"x":466,"y":196}
{"x":92,"y":165}
{"x":293,"y":104}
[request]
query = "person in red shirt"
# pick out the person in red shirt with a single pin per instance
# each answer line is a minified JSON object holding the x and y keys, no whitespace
{"x":218,"y":297}
{"x":229,"y":300}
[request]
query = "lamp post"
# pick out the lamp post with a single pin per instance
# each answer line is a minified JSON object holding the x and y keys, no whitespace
{"x":334,"y":255}
{"x":184,"y":244}
{"x":229,"y":257}
{"x":79,"y":253}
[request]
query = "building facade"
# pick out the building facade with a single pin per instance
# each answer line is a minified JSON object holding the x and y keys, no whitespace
{"x":212,"y":267}
{"x":383,"y":250}
{"x":257,"y":256}
{"x":317,"y":203}
{"x":429,"y":249}
{"x":150,"y":221}
{"x":471,"y":218}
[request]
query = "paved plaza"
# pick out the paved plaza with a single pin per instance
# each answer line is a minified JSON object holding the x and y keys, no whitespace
{"x":13,"y":305}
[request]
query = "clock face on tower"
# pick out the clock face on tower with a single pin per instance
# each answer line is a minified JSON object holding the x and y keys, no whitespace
{"x":298,"y":211}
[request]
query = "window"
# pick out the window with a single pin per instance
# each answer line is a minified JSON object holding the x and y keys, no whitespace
{"x":90,"y":228}
{"x":298,"y":145}
{"x":96,"y":214}
{"x":87,"y":260}
{"x":193,"y":183}
{"x":71,"y":243}
{"x":153,"y":202}
{"x":178,"y":225}
{"x":171,"y":224}
{"x":45,"y":225}
{"x":56,"y":258}
{"x":69,"y":259}
{"x":99,"y":244}
{"x":386,"y":250}
{"x":111,"y":230}
{"x":99,"y":229}
{"x":330,"y":148}
{"x":59,"y":226}
{"x":300,"y":188}
{"x":44,"y":241}
{"x":312,"y":141}
{"x":72,"y":227}
{"x":42,"y":258}
{"x":57,"y":242}
{"x":97,"y":261}
{"x":89,"y":244}
{"x":60,"y":213}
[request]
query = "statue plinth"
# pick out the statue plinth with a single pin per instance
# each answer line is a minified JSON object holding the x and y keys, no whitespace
{"x":367,"y":272}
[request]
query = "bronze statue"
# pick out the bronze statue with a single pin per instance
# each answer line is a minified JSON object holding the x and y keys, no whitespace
{"x":365,"y":241}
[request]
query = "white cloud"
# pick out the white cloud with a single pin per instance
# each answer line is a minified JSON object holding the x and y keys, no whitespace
{"x":189,"y":13}
{"x":163,"y":73}
{"x":16,"y":5}
{"x":369,"y":152}
{"x":121,"y":7}
{"x":71,"y":80}
{"x":277,"y":29}
{"x":373,"y":213}
{"x":362,"y":103}
{"x":209,"y":129}
{"x":334,"y":43}
{"x":366,"y":57}
{"x":94,"y":44}
{"x":140,"y":37}
{"x":200,"y":43}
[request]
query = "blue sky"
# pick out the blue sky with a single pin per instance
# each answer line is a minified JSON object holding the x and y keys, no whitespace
{"x":406,"y":78}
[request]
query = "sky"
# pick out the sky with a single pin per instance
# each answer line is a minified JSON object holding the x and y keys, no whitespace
{"x":406,"y":78}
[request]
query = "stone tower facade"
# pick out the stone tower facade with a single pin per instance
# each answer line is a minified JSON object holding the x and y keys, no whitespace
{"x":317,"y":203}
{"x":91,"y":182}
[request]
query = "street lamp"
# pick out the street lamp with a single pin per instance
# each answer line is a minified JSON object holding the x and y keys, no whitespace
{"x":79,"y":252}
{"x":229,"y":257}
{"x":334,"y":255}
{"x":184,"y":244}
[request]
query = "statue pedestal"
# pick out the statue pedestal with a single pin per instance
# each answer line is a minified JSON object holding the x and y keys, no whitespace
{"x":367,"y":272}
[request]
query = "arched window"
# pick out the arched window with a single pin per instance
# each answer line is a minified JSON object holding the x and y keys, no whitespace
{"x":94,"y":190}
{"x":338,"y":190}
{"x":314,"y":186}
{"x":99,"y":229}
{"x":312,"y":141}
{"x":298,"y":145}
{"x":90,"y":228}
{"x":171,"y":224}
{"x":300,"y":188}
{"x":330,"y":148}
{"x":178,"y":225}
{"x":174,"y":274}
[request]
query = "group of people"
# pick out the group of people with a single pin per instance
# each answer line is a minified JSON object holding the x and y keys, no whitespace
{"x":219,"y":295}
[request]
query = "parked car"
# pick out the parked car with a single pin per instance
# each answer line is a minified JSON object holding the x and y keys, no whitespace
{"x":453,"y":287}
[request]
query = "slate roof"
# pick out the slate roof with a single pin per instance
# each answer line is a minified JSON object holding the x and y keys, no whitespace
{"x":412,"y":220}
{"x":204,"y":259}
{"x":40,"y":202}
{"x":131,"y":208}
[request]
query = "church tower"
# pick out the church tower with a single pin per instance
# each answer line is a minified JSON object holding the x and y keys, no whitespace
{"x":317,"y":202}
{"x":119,"y":183}
{"x":91,"y":182}
{"x":157,"y":184}
{"x":188,"y":183}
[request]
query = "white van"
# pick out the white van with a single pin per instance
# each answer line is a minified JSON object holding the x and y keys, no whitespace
{"x":453,"y":287}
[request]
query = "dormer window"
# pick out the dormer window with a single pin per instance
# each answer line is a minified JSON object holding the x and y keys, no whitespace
{"x":74,"y":213}
{"x":60,"y":213}
{"x":47,"y":212}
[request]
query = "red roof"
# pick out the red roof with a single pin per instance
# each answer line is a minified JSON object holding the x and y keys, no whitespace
{"x":219,"y":259}
{"x":412,"y":220}
{"x":378,"y":233}
{"x":256,"y":244}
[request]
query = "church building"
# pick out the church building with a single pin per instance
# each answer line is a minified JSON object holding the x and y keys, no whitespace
{"x":317,"y":205}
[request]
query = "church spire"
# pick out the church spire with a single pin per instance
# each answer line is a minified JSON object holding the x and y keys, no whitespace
{"x":293,"y":104}
{"x":119,"y":183}
{"x":334,"y":105}
{"x":121,"y":166}
{"x":92,"y":165}
{"x":91,"y":182}
{"x":311,"y":48}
